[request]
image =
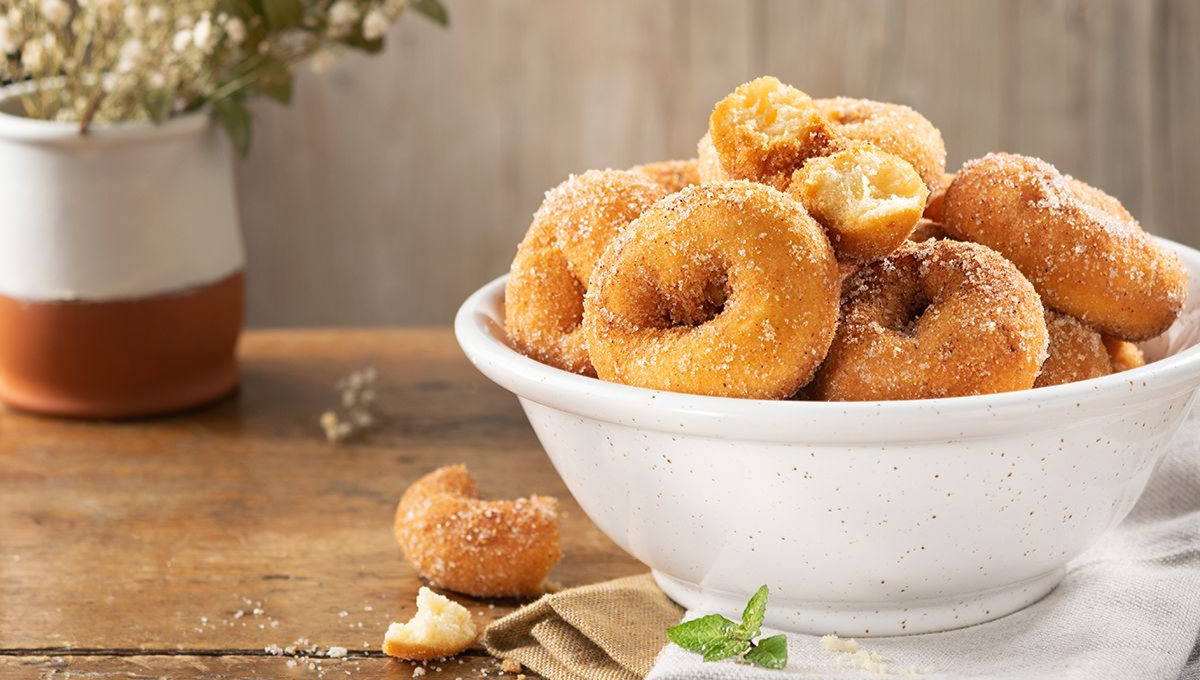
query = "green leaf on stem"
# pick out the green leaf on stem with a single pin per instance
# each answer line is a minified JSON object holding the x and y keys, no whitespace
{"x":274,"y":80}
{"x":432,"y":10}
{"x":752,"y":617}
{"x":699,"y":634}
{"x":234,"y":116}
{"x":769,"y":652}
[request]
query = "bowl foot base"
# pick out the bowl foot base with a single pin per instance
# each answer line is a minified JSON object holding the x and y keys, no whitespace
{"x":870,"y":619}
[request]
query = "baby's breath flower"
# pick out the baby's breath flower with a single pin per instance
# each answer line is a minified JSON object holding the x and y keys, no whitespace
{"x":155,"y":14}
{"x":131,"y":55}
{"x":343,"y":14}
{"x":33,"y":56}
{"x":182,"y":40}
{"x":202,"y":33}
{"x":235,"y":28}
{"x":57,"y":12}
{"x":10,"y":42}
{"x":375,"y":25}
{"x":135,"y":18}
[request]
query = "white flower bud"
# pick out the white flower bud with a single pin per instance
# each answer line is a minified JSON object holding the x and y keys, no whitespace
{"x":182,"y":40}
{"x":376,"y":24}
{"x":236,"y":30}
{"x":130,"y":56}
{"x":57,"y":12}
{"x":33,"y":56}
{"x":9,"y":41}
{"x":342,"y":14}
{"x":202,"y":34}
{"x":135,"y":18}
{"x":156,"y":14}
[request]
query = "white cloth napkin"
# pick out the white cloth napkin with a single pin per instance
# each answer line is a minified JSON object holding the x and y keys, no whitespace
{"x":1129,"y":609}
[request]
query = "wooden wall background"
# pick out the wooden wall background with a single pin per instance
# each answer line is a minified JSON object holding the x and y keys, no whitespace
{"x":396,"y":185}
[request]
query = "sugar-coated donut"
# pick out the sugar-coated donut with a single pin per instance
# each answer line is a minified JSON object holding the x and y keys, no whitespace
{"x":1124,"y":355}
{"x":709,"y":162}
{"x":1085,"y":254}
{"x":543,"y":299}
{"x":477,"y":547}
{"x":895,"y":128}
{"x":1075,"y":352}
{"x":726,"y":289}
{"x":867,"y":200}
{"x":935,"y":319}
{"x":672,"y":175}
{"x":765,"y":130}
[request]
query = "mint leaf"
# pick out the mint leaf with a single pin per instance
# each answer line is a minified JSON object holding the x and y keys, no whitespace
{"x":725,"y":649}
{"x":752,"y":617}
{"x":699,"y":635}
{"x":715,"y":637}
{"x":432,"y":10}
{"x":769,"y":653}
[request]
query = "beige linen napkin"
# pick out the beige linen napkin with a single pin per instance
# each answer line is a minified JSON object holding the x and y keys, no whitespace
{"x":606,"y":631}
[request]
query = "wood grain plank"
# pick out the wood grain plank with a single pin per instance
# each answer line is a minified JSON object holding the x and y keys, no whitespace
{"x":394,"y":186}
{"x":237,"y":668}
{"x":155,"y":535}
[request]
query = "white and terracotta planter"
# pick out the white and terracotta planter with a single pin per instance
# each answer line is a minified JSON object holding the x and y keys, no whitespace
{"x":121,"y":284}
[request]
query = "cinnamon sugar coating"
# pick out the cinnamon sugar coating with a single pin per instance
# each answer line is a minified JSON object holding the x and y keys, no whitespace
{"x":935,"y":319}
{"x":895,"y":128}
{"x":1085,"y":254}
{"x":725,"y":289}
{"x":480,"y":548}
{"x":548,"y":277}
{"x":1075,"y":352}
{"x":709,"y":162}
{"x":671,"y":175}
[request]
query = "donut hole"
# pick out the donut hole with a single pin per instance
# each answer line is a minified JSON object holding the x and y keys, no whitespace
{"x":773,"y":109}
{"x":695,"y":300}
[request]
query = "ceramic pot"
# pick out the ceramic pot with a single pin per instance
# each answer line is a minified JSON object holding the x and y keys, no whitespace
{"x":121,"y":266}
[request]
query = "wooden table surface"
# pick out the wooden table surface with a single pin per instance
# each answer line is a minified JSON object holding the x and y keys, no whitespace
{"x":186,"y":546}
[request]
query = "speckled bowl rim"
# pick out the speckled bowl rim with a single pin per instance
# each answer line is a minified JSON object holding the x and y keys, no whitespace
{"x":479,"y":329}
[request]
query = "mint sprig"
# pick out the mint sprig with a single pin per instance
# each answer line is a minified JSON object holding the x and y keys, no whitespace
{"x":715,"y":637}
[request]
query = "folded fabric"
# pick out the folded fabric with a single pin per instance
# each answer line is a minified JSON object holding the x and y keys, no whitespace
{"x":1128,"y":609}
{"x":606,"y":631}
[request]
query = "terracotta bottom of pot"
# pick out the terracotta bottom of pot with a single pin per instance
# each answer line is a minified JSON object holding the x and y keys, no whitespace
{"x":123,"y":358}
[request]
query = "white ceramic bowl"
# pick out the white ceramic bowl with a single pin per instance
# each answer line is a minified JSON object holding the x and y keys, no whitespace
{"x":870,"y":518}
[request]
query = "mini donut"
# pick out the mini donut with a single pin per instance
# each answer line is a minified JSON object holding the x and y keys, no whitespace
{"x":1085,"y":254}
{"x":480,"y":548}
{"x":895,"y":128}
{"x":935,"y":319}
{"x":543,"y":299}
{"x":725,"y":289}
{"x":709,"y":162}
{"x":765,"y":130}
{"x":1124,"y":355}
{"x":1075,"y":352}
{"x":935,"y":207}
{"x":927,"y":229}
{"x":671,"y":175}
{"x":867,"y":200}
